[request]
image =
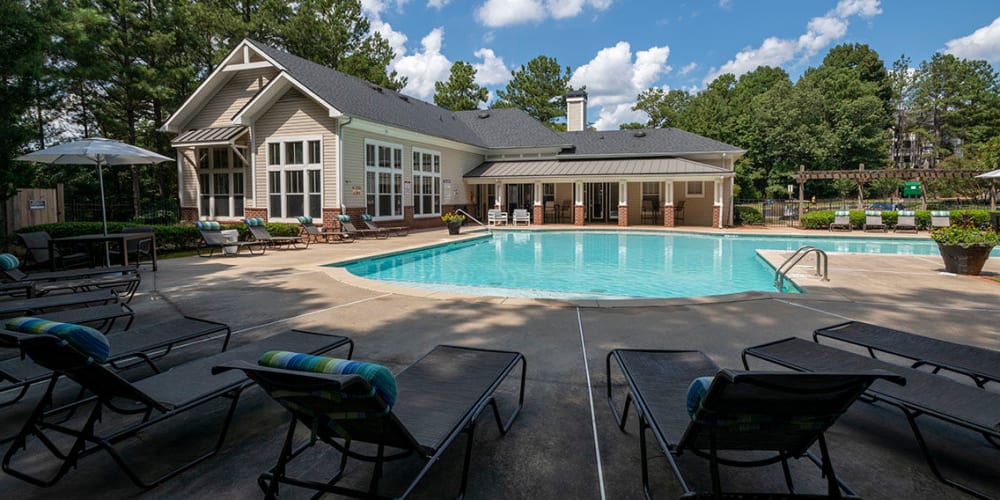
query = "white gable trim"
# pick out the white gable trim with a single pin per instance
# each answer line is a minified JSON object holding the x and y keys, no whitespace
{"x":270,"y":94}
{"x":238,"y":59}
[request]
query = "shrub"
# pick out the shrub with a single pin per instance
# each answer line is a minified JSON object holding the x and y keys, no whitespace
{"x":821,"y":219}
{"x":747,"y":216}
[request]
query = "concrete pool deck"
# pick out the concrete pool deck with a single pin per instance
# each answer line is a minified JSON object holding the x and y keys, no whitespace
{"x":565,"y":443}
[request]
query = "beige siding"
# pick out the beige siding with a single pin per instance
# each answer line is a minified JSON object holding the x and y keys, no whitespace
{"x":230,"y":99}
{"x":454,"y":164}
{"x":189,"y":178}
{"x":295,"y":115}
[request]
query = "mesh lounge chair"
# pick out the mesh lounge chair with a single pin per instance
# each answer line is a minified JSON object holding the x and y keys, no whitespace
{"x":873,"y":221}
{"x":152,"y":399}
{"x":125,"y":279}
{"x":925,"y":394}
{"x":348,"y":226}
{"x":496,"y":217}
{"x":979,"y":364}
{"x":841,"y":220}
{"x":212,"y":239}
{"x":37,"y":243}
{"x":779,"y":412}
{"x":906,"y":220}
{"x":940,"y":218}
{"x":396,"y":230}
{"x":314,"y":233}
{"x":521,"y":215}
{"x":39,"y":305}
{"x":261,"y":234}
{"x":440,"y":397}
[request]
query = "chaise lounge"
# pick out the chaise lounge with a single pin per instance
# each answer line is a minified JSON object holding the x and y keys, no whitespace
{"x":214,"y":238}
{"x":369,"y":222}
{"x":260,"y":233}
{"x":314,"y":233}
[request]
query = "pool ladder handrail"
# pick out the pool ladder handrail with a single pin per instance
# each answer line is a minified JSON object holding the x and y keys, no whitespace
{"x":467,"y":214}
{"x":790,"y":262}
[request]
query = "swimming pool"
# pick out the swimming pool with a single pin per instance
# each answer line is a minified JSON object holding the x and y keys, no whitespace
{"x":607,"y":264}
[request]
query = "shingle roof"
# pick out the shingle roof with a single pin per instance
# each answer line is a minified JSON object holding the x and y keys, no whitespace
{"x":624,"y":166}
{"x":643,"y":141}
{"x":509,"y":128}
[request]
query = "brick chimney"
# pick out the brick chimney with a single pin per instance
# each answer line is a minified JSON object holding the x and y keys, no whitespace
{"x":576,"y":111}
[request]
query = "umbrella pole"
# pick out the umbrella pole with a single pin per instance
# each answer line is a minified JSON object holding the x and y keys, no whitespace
{"x":104,"y":214}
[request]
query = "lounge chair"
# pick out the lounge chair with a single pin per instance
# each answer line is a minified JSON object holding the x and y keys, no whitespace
{"x":396,"y":230}
{"x":940,"y":218}
{"x":37,"y":244}
{"x":679,"y":212}
{"x":124,"y":279}
{"x":906,"y":220}
{"x":980,"y":364}
{"x":260,"y":233}
{"x":144,"y":345}
{"x":440,"y":397}
{"x":212,"y":239}
{"x":521,"y":215}
{"x":873,"y":221}
{"x":150,"y":400}
{"x":139,"y":249}
{"x":348,"y":226}
{"x":778,"y":412}
{"x":39,"y":305}
{"x":496,"y":217}
{"x":925,"y":394}
{"x":314,"y":233}
{"x":841,"y":220}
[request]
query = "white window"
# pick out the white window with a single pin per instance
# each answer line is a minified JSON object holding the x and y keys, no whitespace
{"x":383,"y":179}
{"x":695,"y":189}
{"x":220,"y":183}
{"x":651,"y":192}
{"x":294,"y":177}
{"x":426,"y":182}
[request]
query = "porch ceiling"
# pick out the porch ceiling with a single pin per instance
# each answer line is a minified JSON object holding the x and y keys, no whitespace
{"x":585,"y":168}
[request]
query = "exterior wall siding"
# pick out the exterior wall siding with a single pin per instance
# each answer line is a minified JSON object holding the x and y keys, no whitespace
{"x":189,"y":178}
{"x":230,"y":99}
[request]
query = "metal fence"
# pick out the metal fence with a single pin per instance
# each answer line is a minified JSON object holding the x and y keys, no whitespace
{"x":155,"y":212}
{"x":785,"y":213}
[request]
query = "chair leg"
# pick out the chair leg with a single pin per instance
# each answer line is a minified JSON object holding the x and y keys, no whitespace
{"x":271,"y":488}
{"x":911,"y":417}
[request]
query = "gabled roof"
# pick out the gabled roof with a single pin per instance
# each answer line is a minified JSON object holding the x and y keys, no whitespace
{"x":509,"y":128}
{"x":667,"y":141}
{"x":608,"y":167}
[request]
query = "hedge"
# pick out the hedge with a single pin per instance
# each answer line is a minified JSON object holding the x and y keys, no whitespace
{"x":821,"y":219}
{"x":747,"y":216}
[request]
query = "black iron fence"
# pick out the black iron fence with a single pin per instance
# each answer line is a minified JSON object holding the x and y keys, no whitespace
{"x":154,"y":212}
{"x":785,"y":213}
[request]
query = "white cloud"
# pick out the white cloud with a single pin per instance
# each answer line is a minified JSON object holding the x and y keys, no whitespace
{"x":396,"y":39}
{"x":437,"y":4}
{"x":820,"y":33}
{"x":984,"y":43}
{"x":424,"y":68}
{"x":689,"y":67}
{"x":613,"y":80}
{"x":496,"y":13}
{"x":492,"y":71}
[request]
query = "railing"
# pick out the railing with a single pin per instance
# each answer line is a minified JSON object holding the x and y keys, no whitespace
{"x":801,"y":253}
{"x":467,"y":214}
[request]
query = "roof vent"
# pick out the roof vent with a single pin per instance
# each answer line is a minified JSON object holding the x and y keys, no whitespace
{"x":639,"y":133}
{"x":377,"y":88}
{"x":405,"y":98}
{"x":483,"y":114}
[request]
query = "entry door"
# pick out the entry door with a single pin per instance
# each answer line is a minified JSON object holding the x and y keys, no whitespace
{"x":595,"y":194}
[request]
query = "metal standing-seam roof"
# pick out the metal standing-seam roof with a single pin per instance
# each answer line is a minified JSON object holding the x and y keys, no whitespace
{"x":609,"y":167}
{"x":213,"y":135}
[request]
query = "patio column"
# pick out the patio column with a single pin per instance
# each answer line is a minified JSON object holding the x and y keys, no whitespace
{"x":668,"y":204}
{"x":537,"y":209}
{"x":622,"y":204}
{"x":578,"y":208}
{"x":718,"y":205}
{"x":498,"y":203}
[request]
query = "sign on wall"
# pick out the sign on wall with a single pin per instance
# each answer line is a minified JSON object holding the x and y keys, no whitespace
{"x":36,"y":205}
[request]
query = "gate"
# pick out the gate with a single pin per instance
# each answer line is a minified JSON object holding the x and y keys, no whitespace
{"x":31,"y":206}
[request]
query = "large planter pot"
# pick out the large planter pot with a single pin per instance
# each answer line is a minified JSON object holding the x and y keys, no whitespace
{"x":454,"y":227}
{"x":964,"y":260}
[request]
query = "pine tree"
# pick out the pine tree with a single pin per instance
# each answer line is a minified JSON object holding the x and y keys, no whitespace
{"x":460,"y":92}
{"x":539,"y":88}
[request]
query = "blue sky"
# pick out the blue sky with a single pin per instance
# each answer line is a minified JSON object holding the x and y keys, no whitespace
{"x":618,"y":48}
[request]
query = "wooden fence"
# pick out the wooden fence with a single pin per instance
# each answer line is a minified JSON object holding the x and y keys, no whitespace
{"x":34,"y":206}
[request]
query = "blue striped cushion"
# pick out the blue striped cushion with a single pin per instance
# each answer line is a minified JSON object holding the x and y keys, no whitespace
{"x":873,"y":213}
{"x":378,"y":376}
{"x":696,"y":393}
{"x":84,"y":338}
{"x":305,"y":220}
{"x":344,"y":218}
{"x":841,"y":213}
{"x":208,"y":225}
{"x":907,"y":213}
{"x":747,"y":422}
{"x":940,"y":213}
{"x":366,"y":217}
{"x":255,"y":221}
{"x":8,"y":262}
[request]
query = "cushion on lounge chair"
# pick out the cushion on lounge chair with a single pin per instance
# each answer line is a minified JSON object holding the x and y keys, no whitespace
{"x":208,"y":225}
{"x":84,"y":338}
{"x":255,"y":222}
{"x":379,"y":377}
{"x":841,"y":213}
{"x":344,"y":218}
{"x":906,"y":213}
{"x":873,"y":213}
{"x":366,"y":217}
{"x":940,"y":213}
{"x":8,"y":262}
{"x":305,"y":219}
{"x":696,"y":393}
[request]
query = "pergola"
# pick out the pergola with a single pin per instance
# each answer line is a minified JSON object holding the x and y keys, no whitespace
{"x":861,"y":176}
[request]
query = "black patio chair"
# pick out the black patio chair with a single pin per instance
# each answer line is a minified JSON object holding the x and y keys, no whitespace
{"x":148,"y":401}
{"x":214,"y":238}
{"x":40,"y":305}
{"x":925,"y":394}
{"x":439,"y":397}
{"x":734,"y":412}
{"x":260,"y":233}
{"x":370,"y":223}
{"x":314,"y":233}
{"x":37,"y":244}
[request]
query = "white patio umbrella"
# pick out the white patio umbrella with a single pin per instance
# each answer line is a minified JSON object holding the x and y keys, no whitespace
{"x":96,"y":151}
{"x":991,"y":175}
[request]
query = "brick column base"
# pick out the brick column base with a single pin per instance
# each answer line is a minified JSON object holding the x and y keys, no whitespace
{"x":578,"y":215}
{"x":716,"y":215}
{"x":668,"y":216}
{"x":260,"y":213}
{"x":538,"y":214}
{"x":622,"y":216}
{"x":189,"y":214}
{"x":330,"y":218}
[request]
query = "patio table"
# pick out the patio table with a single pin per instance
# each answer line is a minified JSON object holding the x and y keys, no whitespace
{"x":92,"y":239}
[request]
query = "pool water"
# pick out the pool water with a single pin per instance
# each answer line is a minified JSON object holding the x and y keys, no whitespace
{"x":607,"y":265}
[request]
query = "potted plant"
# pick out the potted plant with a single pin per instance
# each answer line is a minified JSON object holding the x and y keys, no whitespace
{"x":964,"y":247}
{"x":454,"y":222}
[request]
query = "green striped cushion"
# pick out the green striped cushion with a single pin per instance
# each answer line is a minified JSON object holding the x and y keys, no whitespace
{"x":873,"y":213}
{"x":696,"y":393}
{"x":366,"y":217}
{"x":255,"y":221}
{"x":841,"y":213}
{"x":378,"y":376}
{"x":747,"y":422}
{"x":940,"y":213}
{"x":208,"y":225}
{"x":84,"y":338}
{"x":305,"y":220}
{"x":344,"y":218}
{"x":907,"y":213}
{"x":8,"y":262}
